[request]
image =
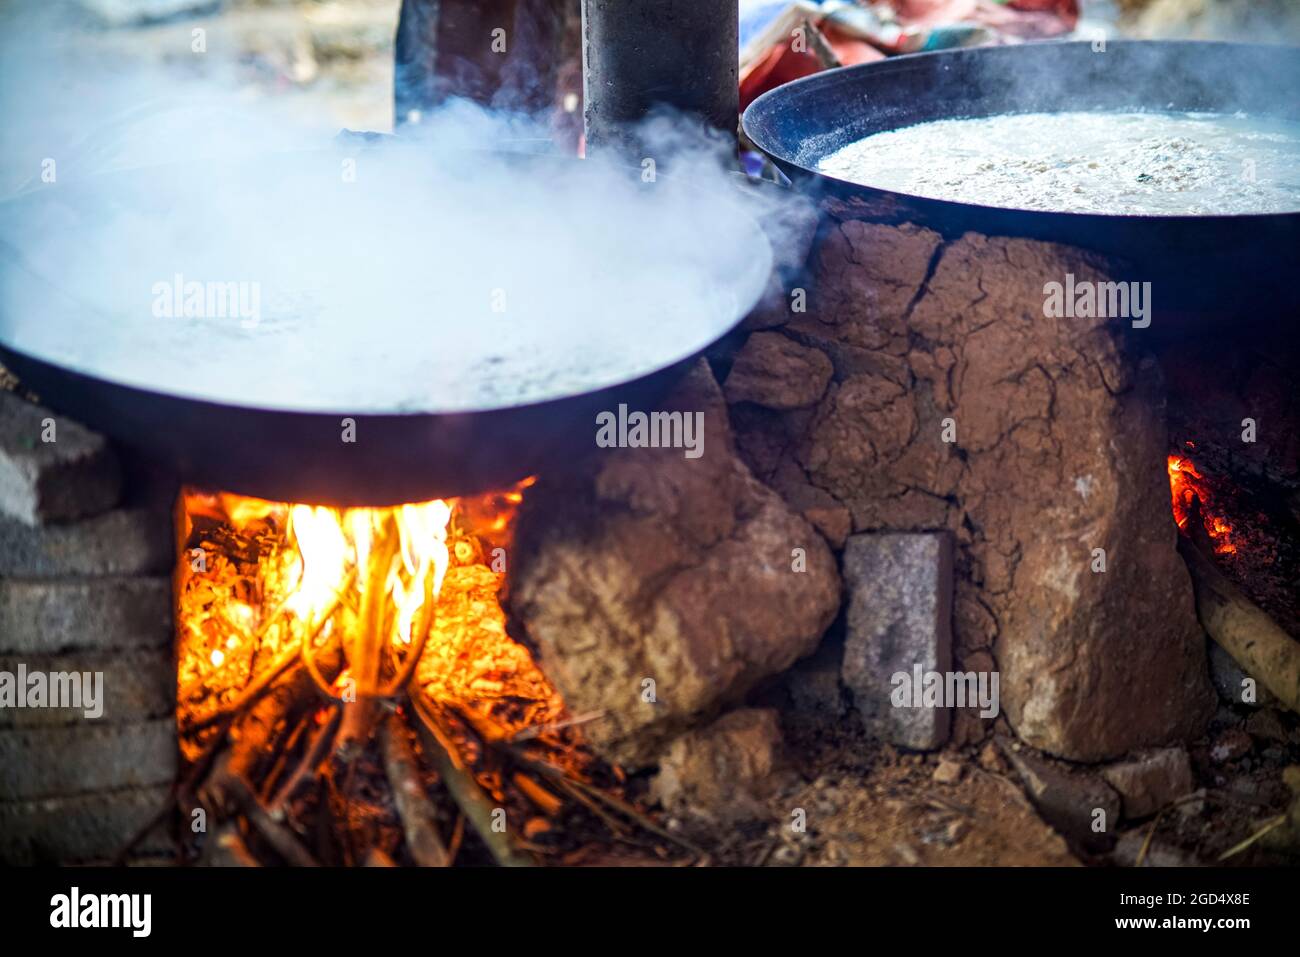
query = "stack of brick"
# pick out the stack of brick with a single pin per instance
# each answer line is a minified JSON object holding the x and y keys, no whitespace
{"x":86,"y":604}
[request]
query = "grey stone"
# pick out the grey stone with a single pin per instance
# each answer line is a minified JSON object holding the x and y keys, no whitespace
{"x":899,"y":616}
{"x":77,"y":759}
{"x":134,"y":541}
{"x":74,"y":476}
{"x":74,"y":830}
{"x":1147,"y":782}
{"x":1229,"y":681}
{"x":1068,"y":800}
{"x":136,"y":684}
{"x":49,"y":617}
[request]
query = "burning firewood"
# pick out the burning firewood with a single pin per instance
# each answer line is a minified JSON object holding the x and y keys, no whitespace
{"x":313,"y":640}
{"x":1239,"y":626}
{"x":413,"y":804}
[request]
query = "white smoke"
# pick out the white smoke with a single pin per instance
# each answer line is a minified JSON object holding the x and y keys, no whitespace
{"x":195,"y":241}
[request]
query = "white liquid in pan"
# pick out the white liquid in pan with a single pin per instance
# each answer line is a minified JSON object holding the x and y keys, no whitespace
{"x":1116,"y":163}
{"x":424,"y":284}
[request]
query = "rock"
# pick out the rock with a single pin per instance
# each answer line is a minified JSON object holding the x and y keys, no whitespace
{"x":1148,"y":782}
{"x":1082,"y":807}
{"x":991,"y":758}
{"x":776,"y":372}
{"x":899,"y":616}
{"x":52,"y":469}
{"x":90,"y":827}
{"x":129,"y":541}
{"x":1231,"y":682}
{"x":1231,"y":745}
{"x":660,"y":588}
{"x":137,"y":683}
{"x":948,"y":771}
{"x":724,"y":770}
{"x":951,"y":341}
{"x":72,"y":760}
{"x":50,"y":617}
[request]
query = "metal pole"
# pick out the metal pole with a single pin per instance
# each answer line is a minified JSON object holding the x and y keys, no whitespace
{"x":637,"y":54}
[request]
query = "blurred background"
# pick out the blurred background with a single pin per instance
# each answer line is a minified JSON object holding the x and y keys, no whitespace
{"x":329,"y":64}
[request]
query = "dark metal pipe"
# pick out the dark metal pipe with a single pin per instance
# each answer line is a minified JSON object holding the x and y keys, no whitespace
{"x":637,"y":55}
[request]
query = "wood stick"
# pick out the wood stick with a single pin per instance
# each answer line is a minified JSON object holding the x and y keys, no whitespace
{"x":231,"y":790}
{"x":252,"y":733}
{"x":463,"y":788}
{"x":537,"y":730}
{"x":457,"y":835}
{"x":1242,"y":629}
{"x":316,"y":751}
{"x":283,"y":751}
{"x":419,"y":823}
{"x":618,"y":804}
{"x":542,"y":799}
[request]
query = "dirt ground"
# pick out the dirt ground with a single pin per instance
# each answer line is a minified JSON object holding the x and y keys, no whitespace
{"x":867,"y":804}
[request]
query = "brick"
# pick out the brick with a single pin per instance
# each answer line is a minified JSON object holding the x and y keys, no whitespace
{"x":91,"y":827}
{"x":135,"y":541}
{"x":49,"y":617}
{"x":75,"y":476}
{"x":64,"y":762}
{"x":899,"y":616}
{"x":138,"y":683}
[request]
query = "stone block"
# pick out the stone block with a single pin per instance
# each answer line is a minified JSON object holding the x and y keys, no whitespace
{"x":49,"y":617}
{"x":52,"y":469}
{"x":77,"y":759}
{"x":899,"y":589}
{"x":82,"y":829}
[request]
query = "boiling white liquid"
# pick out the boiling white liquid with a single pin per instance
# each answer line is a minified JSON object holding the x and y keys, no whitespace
{"x":422,"y":285}
{"x":1116,"y":163}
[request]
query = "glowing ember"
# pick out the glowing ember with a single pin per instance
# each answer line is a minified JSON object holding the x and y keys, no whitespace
{"x":1185,"y":483}
{"x":259,"y":578}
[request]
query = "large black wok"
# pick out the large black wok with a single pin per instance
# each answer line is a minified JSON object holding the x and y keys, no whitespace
{"x":275,"y":451}
{"x":1224,"y":264}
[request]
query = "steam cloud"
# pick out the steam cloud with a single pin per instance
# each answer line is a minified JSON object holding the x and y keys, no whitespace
{"x":437,"y":272}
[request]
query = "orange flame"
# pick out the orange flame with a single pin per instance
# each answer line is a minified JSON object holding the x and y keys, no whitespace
{"x":1185,"y":482}
{"x":259,"y":577}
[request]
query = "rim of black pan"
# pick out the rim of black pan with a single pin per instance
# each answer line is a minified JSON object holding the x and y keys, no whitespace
{"x":832,"y":75}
